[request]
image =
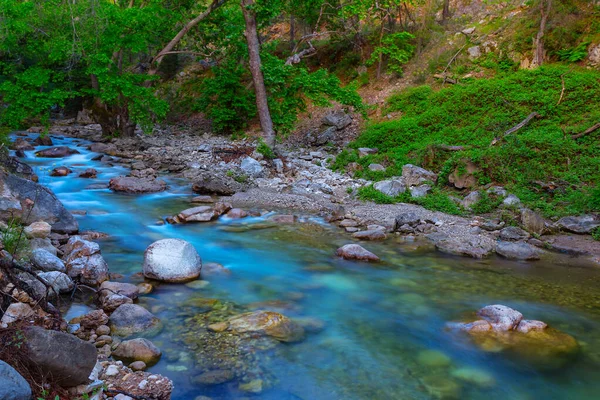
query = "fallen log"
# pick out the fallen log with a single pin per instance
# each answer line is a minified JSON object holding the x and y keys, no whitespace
{"x":586,"y":132}
{"x":516,"y":127}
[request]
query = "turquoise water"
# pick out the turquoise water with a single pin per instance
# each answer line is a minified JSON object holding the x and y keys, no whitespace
{"x":381,"y":322}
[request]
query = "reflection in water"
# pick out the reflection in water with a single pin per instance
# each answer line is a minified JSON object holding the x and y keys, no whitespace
{"x":375,"y":331}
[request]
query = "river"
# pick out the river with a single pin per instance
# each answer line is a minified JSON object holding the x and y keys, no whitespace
{"x":383,"y":324}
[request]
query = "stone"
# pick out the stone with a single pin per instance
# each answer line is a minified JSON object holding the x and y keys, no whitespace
{"x":237,"y":213}
{"x":60,"y":282}
{"x":129,"y":319}
{"x":532,"y":222}
{"x":419,"y":191}
{"x":172,"y":260}
{"x":16,"y":312}
{"x":268,"y":323}
{"x":278,"y":164}
{"x":17,"y":201}
{"x":513,"y":233}
{"x":40,"y":229}
{"x":203,"y":199}
{"x":370,"y":235}
{"x":356,"y":252}
{"x":12,"y":385}
{"x":60,"y":171}
{"x":408,"y":218}
{"x":111,"y":301}
{"x":21,"y":144}
{"x":138,"y":366}
{"x":392,"y":187}
{"x":337,"y":119}
{"x":474,"y":376}
{"x":145,"y":288}
{"x":470,"y":200}
{"x":214,"y":269}
{"x":45,"y":261}
{"x":215,"y":377}
{"x":251,"y":167}
{"x":89,"y":173}
{"x":56,"y":152}
{"x":84,"y":261}
{"x":255,"y":386}
{"x":346,"y":223}
{"x":210,"y":183}
{"x":497,"y":191}
{"x":103,"y":330}
{"x":502,"y":318}
{"x":67,"y":359}
{"x":415,"y":176}
{"x":581,"y":224}
{"x":376,"y":167}
{"x":474,"y":52}
{"x":526,"y":326}
{"x":463,"y":176}
{"x":124,"y":289}
{"x":283,"y":219}
{"x":129,"y":184}
{"x":476,"y":246}
{"x":433,"y":359}
{"x":365,"y":151}
{"x":92,"y":320}
{"x":517,"y":250}
{"x":468,"y":31}
{"x":222,"y":207}
{"x":139,"y":349}
{"x":43,"y":140}
{"x":511,"y":200}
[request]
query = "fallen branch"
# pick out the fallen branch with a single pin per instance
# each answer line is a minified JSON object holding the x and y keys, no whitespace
{"x":453,"y":58}
{"x":587,"y":132}
{"x":516,"y":127}
{"x":296,"y":58}
{"x":562,"y":92}
{"x":449,"y":148}
{"x":445,"y":79}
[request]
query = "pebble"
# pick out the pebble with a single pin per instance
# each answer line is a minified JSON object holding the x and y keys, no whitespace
{"x":112,"y":370}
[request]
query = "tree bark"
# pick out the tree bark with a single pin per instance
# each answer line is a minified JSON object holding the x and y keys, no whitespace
{"x":446,"y":11}
{"x":262,"y":105}
{"x":539,"y":54}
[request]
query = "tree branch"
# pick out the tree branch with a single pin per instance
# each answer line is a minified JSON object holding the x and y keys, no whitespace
{"x":516,"y":127}
{"x":586,"y":132}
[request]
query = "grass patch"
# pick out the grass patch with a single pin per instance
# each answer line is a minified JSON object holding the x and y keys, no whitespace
{"x":435,"y":201}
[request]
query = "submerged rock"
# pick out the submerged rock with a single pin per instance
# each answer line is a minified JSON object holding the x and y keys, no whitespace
{"x":172,"y":260}
{"x":137,"y":350}
{"x":268,"y":323}
{"x":476,"y":246}
{"x":129,"y":184}
{"x":375,"y":234}
{"x":517,"y":250}
{"x":21,"y":144}
{"x":129,"y":319}
{"x":356,"y":252}
{"x":56,"y":152}
{"x":12,"y":385}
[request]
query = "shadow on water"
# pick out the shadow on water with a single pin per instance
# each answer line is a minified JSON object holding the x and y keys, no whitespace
{"x":378,"y":329}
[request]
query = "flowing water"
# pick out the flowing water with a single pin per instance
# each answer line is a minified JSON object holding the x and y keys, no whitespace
{"x":383,"y":335}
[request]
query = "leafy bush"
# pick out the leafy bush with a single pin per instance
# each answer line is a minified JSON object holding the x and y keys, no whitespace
{"x":13,"y":238}
{"x":397,"y":47}
{"x":574,"y":54}
{"x":265,"y":150}
{"x":435,"y":201}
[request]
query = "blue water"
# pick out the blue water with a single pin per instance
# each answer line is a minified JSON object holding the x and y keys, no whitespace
{"x":378,"y":319}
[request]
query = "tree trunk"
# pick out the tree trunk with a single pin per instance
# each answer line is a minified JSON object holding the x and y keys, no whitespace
{"x":539,"y":54}
{"x":292,"y":33}
{"x":257,"y":76}
{"x":446,"y":11}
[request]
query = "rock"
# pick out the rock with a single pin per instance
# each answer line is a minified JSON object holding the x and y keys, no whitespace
{"x":251,"y":167}
{"x":237,"y":213}
{"x":172,"y":260}
{"x":326,"y":136}
{"x":145,"y":288}
{"x":129,"y":319}
{"x":197,"y":214}
{"x":356,"y":252}
{"x":502,"y":318}
{"x":138,"y":366}
{"x":338,"y":119}
{"x":283,"y":219}
{"x":532,"y":222}
{"x":112,"y":301}
{"x":414,"y":176}
{"x":84,"y":261}
{"x":476,"y":246}
{"x":43,"y":140}
{"x":517,"y":250}
{"x":492,"y":225}
{"x":419,"y":191}
{"x":17,"y":196}
{"x":392,"y":187}
{"x":514,"y":234}
{"x":60,"y":282}
{"x":408,"y":218}
{"x":217,"y":184}
{"x":213,"y":269}
{"x":468,"y":31}
{"x":40,"y":229}
{"x":376,"y":167}
{"x":93,"y":320}
{"x":60,"y":171}
{"x":140,"y":385}
{"x":12,"y":385}
{"x":56,"y":152}
{"x":44,"y":260}
{"x":464,"y":176}
{"x":365,"y":151}
{"x":203,"y":199}
{"x":594,"y":55}
{"x":497,"y":191}
{"x":474,"y":376}
{"x":89,"y":173}
{"x":222,"y":207}
{"x":66,"y":358}
{"x":433,"y":359}
{"x":526,"y":326}
{"x":215,"y":377}
{"x":581,"y":224}
{"x":21,"y":144}
{"x":472,"y":198}
{"x":347,"y":223}
{"x":128,"y":184}
{"x":16,"y":312}
{"x":278,"y":164}
{"x":268,"y":323}
{"x":124,"y":289}
{"x":254,"y":386}
{"x":370,"y":235}
{"x":137,"y":350}
{"x":474,"y":52}
{"x":511,"y":200}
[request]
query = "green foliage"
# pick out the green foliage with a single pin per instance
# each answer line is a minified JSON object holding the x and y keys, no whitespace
{"x":397,"y":47}
{"x":435,"y":201}
{"x":474,"y":113}
{"x":13,"y":238}
{"x":574,"y":54}
{"x":486,"y":203}
{"x":265,"y":150}
{"x":596,"y":233}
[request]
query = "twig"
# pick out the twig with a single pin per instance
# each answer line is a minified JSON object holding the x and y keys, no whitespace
{"x":453,"y":58}
{"x":587,"y":132}
{"x":562,"y":92}
{"x":516,"y":127}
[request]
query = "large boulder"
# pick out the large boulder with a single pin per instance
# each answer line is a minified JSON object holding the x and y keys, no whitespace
{"x":21,"y":144}
{"x":464,"y":176}
{"x":213,"y":183}
{"x":114,"y":294}
{"x":45,"y":261}
{"x":59,"y":281}
{"x":16,"y":312}
{"x":476,"y":246}
{"x":356,"y":252}
{"x":137,"y":350}
{"x":39,"y":229}
{"x":129,"y":319}
{"x":415,"y":176}
{"x":12,"y":385}
{"x":56,"y":152}
{"x":32,"y":202}
{"x":251,"y":167}
{"x":129,"y":184}
{"x":43,"y":140}
{"x":532,"y":222}
{"x":581,"y":224}
{"x":84,"y":261}
{"x":172,"y":260}
{"x":268,"y":323}
{"x":500,"y":317}
{"x":517,"y":250}
{"x":391,"y":187}
{"x":338,"y":119}
{"x":66,"y":358}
